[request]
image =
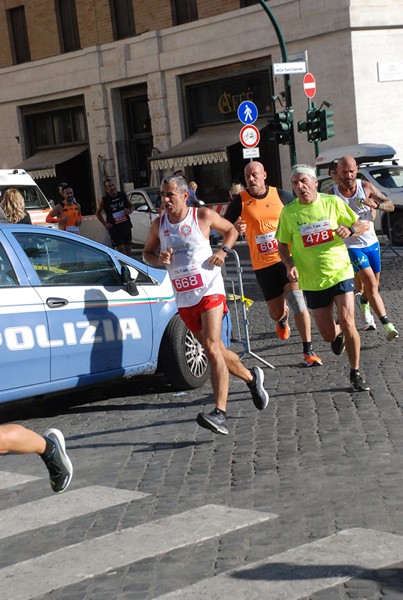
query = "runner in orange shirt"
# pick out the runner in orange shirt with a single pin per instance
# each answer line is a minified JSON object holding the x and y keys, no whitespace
{"x":255,"y":213}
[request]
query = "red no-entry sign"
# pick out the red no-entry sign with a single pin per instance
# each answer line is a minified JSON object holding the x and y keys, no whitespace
{"x":309,"y":85}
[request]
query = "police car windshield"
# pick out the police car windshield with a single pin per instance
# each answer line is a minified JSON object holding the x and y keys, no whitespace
{"x":33,"y":196}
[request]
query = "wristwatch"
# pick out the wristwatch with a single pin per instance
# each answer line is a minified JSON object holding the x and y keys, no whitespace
{"x":225,"y":249}
{"x":352,"y":231}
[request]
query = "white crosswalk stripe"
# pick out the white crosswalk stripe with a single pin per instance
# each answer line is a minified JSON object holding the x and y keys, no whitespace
{"x":301,"y":571}
{"x":56,"y":508}
{"x":291,"y":575}
{"x":89,"y":558}
{"x":8,"y":480}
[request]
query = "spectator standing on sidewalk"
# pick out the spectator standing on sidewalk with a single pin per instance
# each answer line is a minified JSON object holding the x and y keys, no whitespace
{"x":365,"y":254}
{"x":50,"y":447}
{"x":66,"y":213}
{"x":315,"y":226}
{"x":117,"y":209}
{"x":255,"y":213}
{"x":179,"y":240}
{"x":13,"y":207}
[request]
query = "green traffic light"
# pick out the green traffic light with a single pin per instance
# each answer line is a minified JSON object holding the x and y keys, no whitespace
{"x":326,"y":123}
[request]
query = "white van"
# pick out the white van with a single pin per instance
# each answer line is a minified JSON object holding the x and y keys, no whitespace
{"x":36,"y":202}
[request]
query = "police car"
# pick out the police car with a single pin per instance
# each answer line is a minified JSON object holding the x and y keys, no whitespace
{"x":74,"y":313}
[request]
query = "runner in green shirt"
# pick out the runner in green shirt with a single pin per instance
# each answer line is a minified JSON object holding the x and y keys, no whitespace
{"x":310,"y":238}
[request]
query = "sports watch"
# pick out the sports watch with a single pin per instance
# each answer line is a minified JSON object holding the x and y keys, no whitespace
{"x":352,"y":231}
{"x":225,"y":249}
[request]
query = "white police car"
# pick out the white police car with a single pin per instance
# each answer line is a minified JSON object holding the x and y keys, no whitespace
{"x":75,"y":313}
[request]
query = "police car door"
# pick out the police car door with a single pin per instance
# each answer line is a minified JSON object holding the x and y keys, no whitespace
{"x":25,"y":361}
{"x":97,"y":330}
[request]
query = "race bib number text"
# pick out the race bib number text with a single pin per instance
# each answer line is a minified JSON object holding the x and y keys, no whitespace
{"x":120,"y":216}
{"x":315,"y":234}
{"x":266,"y":243}
{"x":188,"y":282}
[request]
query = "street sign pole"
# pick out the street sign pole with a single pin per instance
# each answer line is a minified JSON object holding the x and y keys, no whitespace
{"x":287,"y":80}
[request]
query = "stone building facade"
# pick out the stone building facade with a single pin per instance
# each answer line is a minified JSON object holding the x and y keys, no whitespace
{"x":114,"y":84}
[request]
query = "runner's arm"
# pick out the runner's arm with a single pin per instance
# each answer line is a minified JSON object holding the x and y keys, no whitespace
{"x":287,"y":260}
{"x":379,"y":199}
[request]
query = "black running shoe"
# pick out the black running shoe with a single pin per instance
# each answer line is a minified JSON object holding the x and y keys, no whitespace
{"x":216,"y":421}
{"x":338,"y":344}
{"x":357,"y":382}
{"x":58,"y":463}
{"x":259,"y":395}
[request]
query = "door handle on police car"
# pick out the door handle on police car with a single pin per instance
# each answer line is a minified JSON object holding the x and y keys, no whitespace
{"x":56,"y":302}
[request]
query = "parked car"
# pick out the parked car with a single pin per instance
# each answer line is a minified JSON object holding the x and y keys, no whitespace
{"x":75,"y":313}
{"x":146,"y":204}
{"x":378,"y":165}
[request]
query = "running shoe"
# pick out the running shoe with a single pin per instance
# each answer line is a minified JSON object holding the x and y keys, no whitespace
{"x":391,"y":332}
{"x":259,"y":395}
{"x":58,"y":463}
{"x":282,"y":327}
{"x":215,"y":421}
{"x":311,"y":360}
{"x":369,"y":322}
{"x":370,"y":325}
{"x":357,"y":297}
{"x":338,"y":344}
{"x":358,"y":383}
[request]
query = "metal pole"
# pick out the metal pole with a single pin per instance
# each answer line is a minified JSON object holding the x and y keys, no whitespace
{"x":287,"y":80}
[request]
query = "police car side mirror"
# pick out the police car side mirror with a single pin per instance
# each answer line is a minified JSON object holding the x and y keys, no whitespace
{"x":129,"y":276}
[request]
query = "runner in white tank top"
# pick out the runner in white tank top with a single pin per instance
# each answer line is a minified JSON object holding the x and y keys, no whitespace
{"x":364,"y":251}
{"x":192,"y":276}
{"x":179,"y":240}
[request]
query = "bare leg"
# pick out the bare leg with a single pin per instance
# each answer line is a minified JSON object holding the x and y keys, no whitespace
{"x":16,"y":438}
{"x":371,"y":287}
{"x":222,"y":361}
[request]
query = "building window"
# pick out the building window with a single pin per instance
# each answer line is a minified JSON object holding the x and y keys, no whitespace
{"x":67,"y":24}
{"x":122,"y":19}
{"x":184,"y":11}
{"x":18,"y":35}
{"x":57,"y":128}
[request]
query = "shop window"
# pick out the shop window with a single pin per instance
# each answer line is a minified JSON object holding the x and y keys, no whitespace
{"x":122,"y":19}
{"x":18,"y":35}
{"x":67,"y":24}
{"x":184,"y":11}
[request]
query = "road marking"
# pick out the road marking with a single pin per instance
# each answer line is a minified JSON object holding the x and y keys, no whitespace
{"x":59,"y":508}
{"x":302,"y":571}
{"x":41,"y":575}
{"x":8,"y":479}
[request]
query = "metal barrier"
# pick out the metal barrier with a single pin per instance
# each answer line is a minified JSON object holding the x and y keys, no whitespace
{"x":241,"y":319}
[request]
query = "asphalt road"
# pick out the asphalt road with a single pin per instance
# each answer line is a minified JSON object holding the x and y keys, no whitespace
{"x":301,"y":501}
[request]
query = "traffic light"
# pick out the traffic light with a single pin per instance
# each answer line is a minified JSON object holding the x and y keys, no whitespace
{"x":325,"y":124}
{"x":311,"y":125}
{"x":281,"y":126}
